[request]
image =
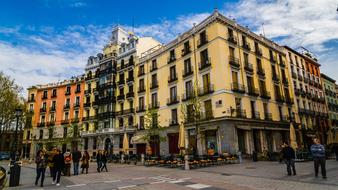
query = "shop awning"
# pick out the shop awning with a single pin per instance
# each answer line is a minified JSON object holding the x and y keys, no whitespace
{"x":138,"y":139}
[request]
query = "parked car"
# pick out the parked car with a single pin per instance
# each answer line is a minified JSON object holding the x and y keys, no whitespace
{"x":4,"y":156}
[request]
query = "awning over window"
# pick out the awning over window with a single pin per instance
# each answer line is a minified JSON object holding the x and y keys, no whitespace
{"x":138,"y":139}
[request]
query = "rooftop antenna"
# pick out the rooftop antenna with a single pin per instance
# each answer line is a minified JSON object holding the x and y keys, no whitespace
{"x":263,"y":29}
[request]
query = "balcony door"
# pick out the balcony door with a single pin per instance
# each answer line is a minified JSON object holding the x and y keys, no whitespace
{"x":206,"y":82}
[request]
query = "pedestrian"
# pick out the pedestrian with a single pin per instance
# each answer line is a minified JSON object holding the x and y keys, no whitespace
{"x":59,"y":165}
{"x":98,"y":160}
{"x":68,"y":159}
{"x":50,"y":163}
{"x":104,"y":159}
{"x":289,"y":157}
{"x":85,"y":161}
{"x":318,"y":154}
{"x":76,"y":160}
{"x":335,"y":150}
{"x":41,"y":164}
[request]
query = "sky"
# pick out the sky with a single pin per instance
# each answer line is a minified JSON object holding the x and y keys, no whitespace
{"x":44,"y":41}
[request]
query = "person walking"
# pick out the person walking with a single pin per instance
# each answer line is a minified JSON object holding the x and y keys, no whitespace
{"x":68,"y":159}
{"x":85,"y":161}
{"x":41,"y":164}
{"x":50,"y":163}
{"x":318,"y":154}
{"x":76,"y":160}
{"x":59,"y":165}
{"x":288,"y":155}
{"x":104,"y":159}
{"x":98,"y":160}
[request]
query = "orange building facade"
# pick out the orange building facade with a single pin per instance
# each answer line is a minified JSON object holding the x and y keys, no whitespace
{"x":56,"y":116}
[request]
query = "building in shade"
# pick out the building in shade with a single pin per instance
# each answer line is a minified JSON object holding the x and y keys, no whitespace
{"x":311,"y":111}
{"x":56,"y":115}
{"x":331,"y":100}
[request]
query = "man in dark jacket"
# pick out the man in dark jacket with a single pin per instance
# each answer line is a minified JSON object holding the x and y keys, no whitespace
{"x":76,"y":160}
{"x":289,"y":157}
{"x":318,"y":154}
{"x":59,"y":165}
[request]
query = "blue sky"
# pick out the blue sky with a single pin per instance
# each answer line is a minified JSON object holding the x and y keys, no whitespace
{"x":46,"y":40}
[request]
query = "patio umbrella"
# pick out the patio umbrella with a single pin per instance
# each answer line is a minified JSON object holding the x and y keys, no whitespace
{"x":181,"y":138}
{"x":125,"y":143}
{"x":293,"y":141}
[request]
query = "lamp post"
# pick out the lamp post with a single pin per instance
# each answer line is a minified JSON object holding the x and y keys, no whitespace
{"x":15,"y":168}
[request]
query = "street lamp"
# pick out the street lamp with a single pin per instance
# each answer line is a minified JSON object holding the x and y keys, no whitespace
{"x":15,"y":168}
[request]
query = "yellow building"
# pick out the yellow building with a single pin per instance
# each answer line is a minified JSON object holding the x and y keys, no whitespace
{"x":241,"y":81}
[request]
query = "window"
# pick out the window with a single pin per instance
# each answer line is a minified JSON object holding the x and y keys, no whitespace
{"x":78,"y":88}
{"x":52,"y":117}
{"x":187,"y":66}
{"x":206,"y":82}
{"x":174,"y":116}
{"x":68,"y":90}
{"x":280,"y":112}
{"x":44,"y":94}
{"x":66,"y":115}
{"x":120,"y":122}
{"x":31,"y":107}
{"x":253,"y":109}
{"x":186,"y":48}
{"x":189,"y":89}
{"x":141,"y":122}
{"x":141,"y":70}
{"x":153,"y":65}
{"x":44,"y":105}
{"x":172,"y":72}
{"x":76,"y":115}
{"x":67,"y":102}
{"x":204,"y":57}
{"x":130,"y":120}
{"x":153,"y":80}
{"x":54,"y":104}
{"x":154,"y":103}
{"x":32,"y":97}
{"x":172,"y":56}
{"x":77,"y":100}
{"x":54,"y":93}
{"x":141,"y":85}
{"x":41,"y":134}
{"x":208,"y":109}
{"x":65,"y":132}
{"x":173,"y":94}
{"x":141,"y":103}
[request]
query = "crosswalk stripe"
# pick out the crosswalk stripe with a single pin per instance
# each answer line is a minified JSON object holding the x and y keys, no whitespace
{"x":124,"y":187}
{"x":198,"y":186}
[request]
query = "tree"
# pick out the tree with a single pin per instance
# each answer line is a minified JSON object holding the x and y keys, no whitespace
{"x":10,"y":100}
{"x":153,"y":128}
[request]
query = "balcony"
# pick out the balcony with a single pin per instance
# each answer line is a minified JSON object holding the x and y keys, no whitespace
{"x":106,"y":115}
{"x":187,"y":73}
{"x":246,"y":46}
{"x":273,"y":59}
{"x":141,"y":108}
{"x":50,"y":123}
{"x":52,"y":109}
{"x":154,"y":85}
{"x":289,"y":100}
{"x":87,"y":92}
{"x":95,"y":103}
{"x":256,"y":115}
{"x":205,"y":64}
{"x":258,"y":52}
{"x":31,"y":100}
{"x":248,"y":67}
{"x":76,"y":105}
{"x":300,"y":77}
{"x":268,"y":116}
{"x":130,"y":95}
{"x":187,"y":95}
{"x":282,"y":64}
{"x":65,"y":121}
{"x":130,"y":79}
{"x":121,"y":82}
{"x":44,"y":97}
{"x":54,"y":95}
{"x":172,"y":78}
{"x":236,"y":87}
{"x":140,"y":73}
{"x":303,"y":93}
{"x":294,"y":75}
{"x":265,"y":94}
{"x":41,"y":124}
{"x":297,"y":91}
{"x":207,"y":89}
{"x":285,"y":118}
{"x":75,"y":120}
{"x":67,"y":93}
{"x":232,"y":39}
{"x":186,"y":51}
{"x":154,"y":105}
{"x":260,"y":71}
{"x":280,"y":98}
{"x":285,"y":81}
{"x":153,"y":68}
{"x":77,"y":91}
{"x":202,"y":41}
{"x":233,"y":61}
{"x":107,"y":99}
{"x":173,"y":100}
{"x":253,"y":91}
{"x":120,"y":97}
{"x":43,"y":110}
{"x":238,"y":113}
{"x":173,"y":122}
{"x":86,"y":105}
{"x":141,"y":90}
{"x":275,"y":77}
{"x":207,"y":115}
{"x":171,"y":59}
{"x":66,"y":107}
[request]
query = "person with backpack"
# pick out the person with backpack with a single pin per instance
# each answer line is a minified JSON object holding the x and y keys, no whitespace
{"x":68,"y":159}
{"x":85,"y":161}
{"x":59,"y":165}
{"x":76,"y":160}
{"x":41,"y":164}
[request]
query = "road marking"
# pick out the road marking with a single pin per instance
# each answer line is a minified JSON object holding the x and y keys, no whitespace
{"x":112,"y":181}
{"x":198,"y":186}
{"x":186,"y":178}
{"x":177,"y":181}
{"x":76,"y":185}
{"x":137,"y":178}
{"x":126,"y":186}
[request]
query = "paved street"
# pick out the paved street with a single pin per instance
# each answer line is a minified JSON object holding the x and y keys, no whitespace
{"x":248,"y":175}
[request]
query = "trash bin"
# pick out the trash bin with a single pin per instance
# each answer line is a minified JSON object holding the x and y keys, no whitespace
{"x":254,"y":156}
{"x":14,"y":178}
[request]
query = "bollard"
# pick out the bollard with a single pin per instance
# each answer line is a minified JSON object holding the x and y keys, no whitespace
{"x":186,"y":162}
{"x":142,"y":159}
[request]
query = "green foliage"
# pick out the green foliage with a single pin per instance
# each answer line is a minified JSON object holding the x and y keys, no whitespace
{"x":152,"y":126}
